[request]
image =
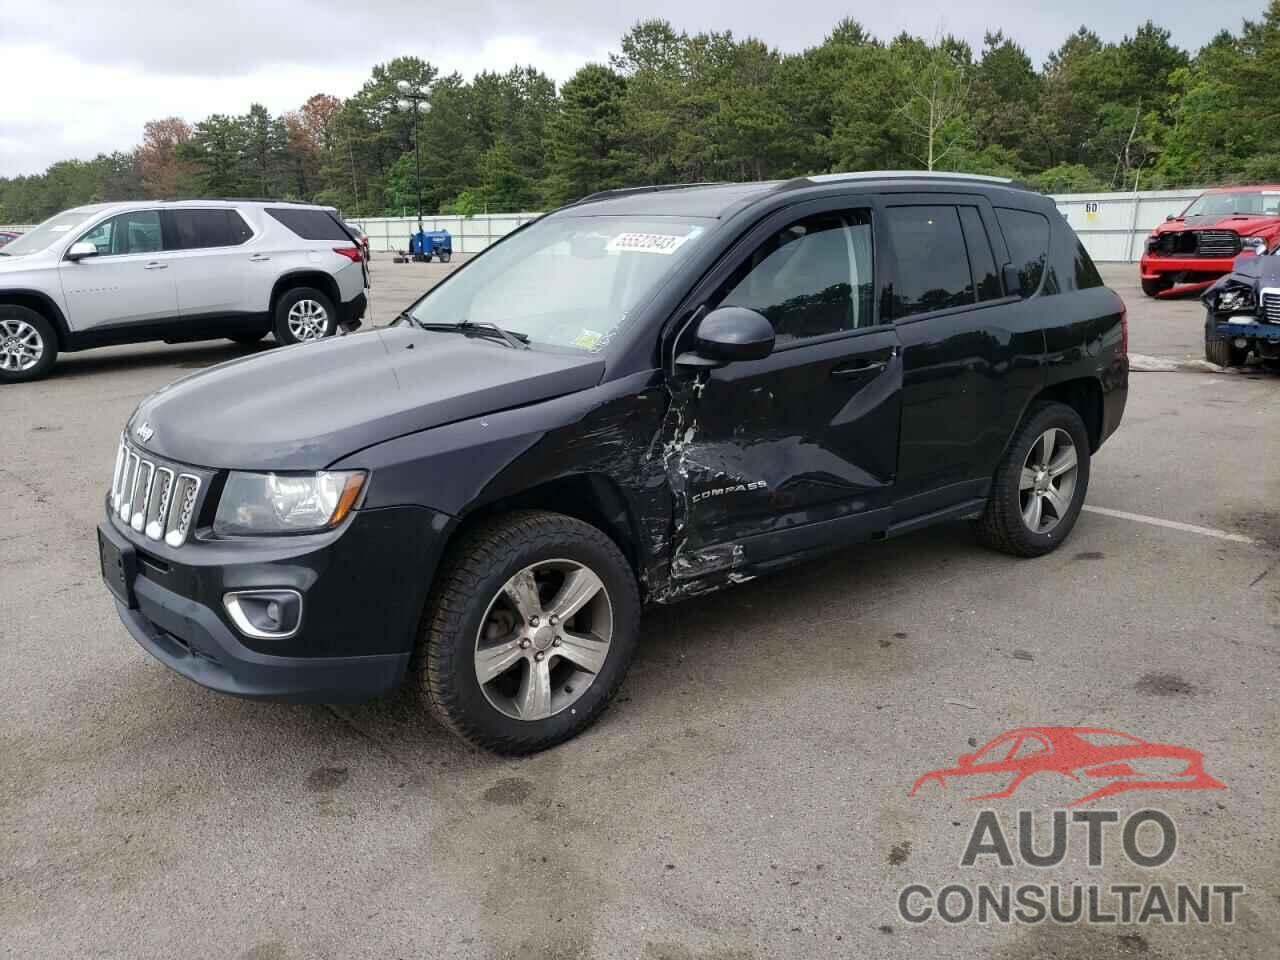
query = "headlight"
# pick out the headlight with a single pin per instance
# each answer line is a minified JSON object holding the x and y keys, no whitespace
{"x":1238,"y":298}
{"x":1256,"y":244}
{"x":258,"y":503}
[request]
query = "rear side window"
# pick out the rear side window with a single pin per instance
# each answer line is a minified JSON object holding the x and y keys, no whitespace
{"x":933,"y":271}
{"x":310,"y":224}
{"x":981,"y":259}
{"x":198,"y":229}
{"x":1027,"y":235}
{"x":1086,"y":273}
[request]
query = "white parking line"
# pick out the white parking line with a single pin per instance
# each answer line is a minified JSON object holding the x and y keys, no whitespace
{"x":1171,"y":524}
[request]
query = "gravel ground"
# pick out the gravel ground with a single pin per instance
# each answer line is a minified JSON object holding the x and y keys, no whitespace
{"x":746,"y":797}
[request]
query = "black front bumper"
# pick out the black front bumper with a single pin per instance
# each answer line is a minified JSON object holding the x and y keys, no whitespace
{"x":363,"y":587}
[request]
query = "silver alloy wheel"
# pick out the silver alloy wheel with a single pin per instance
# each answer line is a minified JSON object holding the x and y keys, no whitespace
{"x":1048,"y":480}
{"x":543,"y":639}
{"x":21,"y":346}
{"x":308,"y":320}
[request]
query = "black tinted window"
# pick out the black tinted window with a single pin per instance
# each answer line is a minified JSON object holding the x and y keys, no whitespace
{"x":1086,"y":273}
{"x":196,"y":229}
{"x":1027,"y":235}
{"x":810,"y":278}
{"x":933,"y":271}
{"x":981,"y":260}
{"x":310,"y":224}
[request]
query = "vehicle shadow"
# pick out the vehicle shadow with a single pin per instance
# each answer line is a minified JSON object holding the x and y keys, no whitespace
{"x":183,"y":356}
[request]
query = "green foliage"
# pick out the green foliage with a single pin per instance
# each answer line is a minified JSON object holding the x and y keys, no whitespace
{"x":671,"y":106}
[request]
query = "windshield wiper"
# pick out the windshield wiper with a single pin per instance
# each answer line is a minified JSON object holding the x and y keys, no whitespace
{"x":513,"y":338}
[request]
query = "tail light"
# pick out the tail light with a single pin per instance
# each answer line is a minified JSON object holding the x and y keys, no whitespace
{"x":1124,"y":331}
{"x":353,"y":254}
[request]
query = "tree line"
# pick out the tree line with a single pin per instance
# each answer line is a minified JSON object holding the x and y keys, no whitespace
{"x":670,"y":106}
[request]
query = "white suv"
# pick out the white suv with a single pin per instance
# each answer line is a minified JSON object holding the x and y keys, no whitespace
{"x":176,"y":271}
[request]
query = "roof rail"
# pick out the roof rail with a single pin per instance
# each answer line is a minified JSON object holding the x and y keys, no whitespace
{"x":298,"y":203}
{"x":652,"y":188}
{"x":903,"y":175}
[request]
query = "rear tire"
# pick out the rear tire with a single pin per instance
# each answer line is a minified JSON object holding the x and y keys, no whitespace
{"x":303,"y":315}
{"x":492,"y":613}
{"x":1153,"y":288}
{"x":1040,"y":485}
{"x":28,"y":344}
{"x":446,"y":256}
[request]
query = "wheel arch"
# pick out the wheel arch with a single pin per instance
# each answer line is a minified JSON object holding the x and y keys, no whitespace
{"x":593,"y":498}
{"x":1082,"y":394}
{"x":44,"y":305}
{"x":304,"y":278}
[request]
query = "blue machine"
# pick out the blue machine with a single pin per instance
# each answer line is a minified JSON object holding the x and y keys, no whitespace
{"x":425,"y":244}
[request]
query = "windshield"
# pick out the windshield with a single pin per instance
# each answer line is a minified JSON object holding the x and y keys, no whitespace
{"x":38,"y":238}
{"x":1253,"y":202}
{"x":566,"y":281}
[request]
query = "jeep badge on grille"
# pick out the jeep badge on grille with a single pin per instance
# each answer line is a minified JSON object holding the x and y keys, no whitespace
{"x":144,"y":432}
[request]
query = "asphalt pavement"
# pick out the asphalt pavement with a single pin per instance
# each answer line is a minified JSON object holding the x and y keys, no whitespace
{"x":747,"y":796}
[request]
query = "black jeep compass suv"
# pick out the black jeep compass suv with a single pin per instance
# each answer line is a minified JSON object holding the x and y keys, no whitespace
{"x":643,"y":396}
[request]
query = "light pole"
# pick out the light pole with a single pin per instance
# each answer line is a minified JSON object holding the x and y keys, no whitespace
{"x":414,"y":98}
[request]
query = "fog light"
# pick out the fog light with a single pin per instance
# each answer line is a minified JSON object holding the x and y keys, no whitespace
{"x":265,"y":614}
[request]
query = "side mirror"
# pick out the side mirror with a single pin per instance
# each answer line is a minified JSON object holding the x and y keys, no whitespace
{"x":1169,"y":217}
{"x":81,"y":250}
{"x":727,"y":335}
{"x":1012,"y":281}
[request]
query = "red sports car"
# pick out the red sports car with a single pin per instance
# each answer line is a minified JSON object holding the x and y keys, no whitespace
{"x":1189,"y":252}
{"x":1082,"y":753}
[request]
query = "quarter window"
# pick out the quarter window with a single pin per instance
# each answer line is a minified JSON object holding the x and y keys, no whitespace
{"x":1027,"y":235}
{"x":196,"y":229}
{"x":933,"y":271}
{"x":310,"y":224}
{"x":136,"y":232}
{"x":811,"y":278}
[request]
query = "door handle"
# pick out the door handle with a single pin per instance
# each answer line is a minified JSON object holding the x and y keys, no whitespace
{"x":856,"y":368}
{"x":153,"y":265}
{"x":259,"y":258}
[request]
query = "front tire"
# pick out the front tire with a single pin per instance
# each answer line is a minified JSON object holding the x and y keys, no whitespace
{"x":303,"y":315}
{"x":1040,"y":484}
{"x":528,"y":633}
{"x":28,"y":344}
{"x":1153,"y":288}
{"x":446,"y":256}
{"x":1220,"y":350}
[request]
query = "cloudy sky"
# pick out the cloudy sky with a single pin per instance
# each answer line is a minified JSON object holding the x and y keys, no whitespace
{"x":82,"y":77}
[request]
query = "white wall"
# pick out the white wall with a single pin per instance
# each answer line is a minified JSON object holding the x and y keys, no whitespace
{"x":470,"y":234}
{"x":1104,"y":221}
{"x":1113,"y":226}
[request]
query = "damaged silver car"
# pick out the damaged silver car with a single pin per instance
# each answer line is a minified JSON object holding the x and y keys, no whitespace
{"x":1242,"y":313}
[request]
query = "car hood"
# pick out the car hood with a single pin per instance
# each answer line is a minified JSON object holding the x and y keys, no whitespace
{"x":1246,"y":226}
{"x":10,"y":265}
{"x":304,"y":407}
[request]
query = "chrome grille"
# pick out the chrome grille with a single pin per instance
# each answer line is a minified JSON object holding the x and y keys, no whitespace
{"x":152,"y":498}
{"x":1217,"y":243}
{"x":1271,"y":306}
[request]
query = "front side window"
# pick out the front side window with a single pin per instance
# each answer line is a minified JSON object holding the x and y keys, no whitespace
{"x":126,"y":233}
{"x":566,"y":281}
{"x":811,"y":278}
{"x":933,"y":269}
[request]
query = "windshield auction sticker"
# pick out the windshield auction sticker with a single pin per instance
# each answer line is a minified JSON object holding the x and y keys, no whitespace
{"x":661,"y":243}
{"x":1085,"y":857}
